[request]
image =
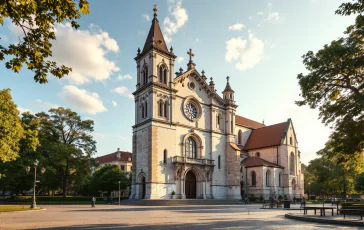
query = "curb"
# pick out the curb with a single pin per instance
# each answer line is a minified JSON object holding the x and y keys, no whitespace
{"x":325,"y":221}
{"x":41,"y":209}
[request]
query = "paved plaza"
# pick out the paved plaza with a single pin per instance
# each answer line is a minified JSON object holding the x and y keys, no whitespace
{"x":157,"y":217}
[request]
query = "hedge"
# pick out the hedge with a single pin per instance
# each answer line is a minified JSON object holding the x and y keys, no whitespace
{"x":52,"y":198}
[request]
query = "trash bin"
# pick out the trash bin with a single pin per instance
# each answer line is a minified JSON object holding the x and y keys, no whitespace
{"x":287,"y":204}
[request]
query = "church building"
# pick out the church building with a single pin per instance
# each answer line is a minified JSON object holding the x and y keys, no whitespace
{"x":189,"y":141}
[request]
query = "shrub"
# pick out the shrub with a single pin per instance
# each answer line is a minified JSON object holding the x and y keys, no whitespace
{"x":280,"y":197}
{"x":261,"y":198}
{"x":173,"y":193}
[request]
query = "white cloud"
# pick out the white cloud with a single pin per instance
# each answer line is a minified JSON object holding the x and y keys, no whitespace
{"x":84,"y":51}
{"x":273,"y":16}
{"x":121,"y":138}
{"x":22,"y":110}
{"x":114,"y":103}
{"x":197,"y":40}
{"x":180,"y":59}
{"x":82,"y":100}
{"x":44,"y":105}
{"x":250,"y":17}
{"x":179,"y":18}
{"x":270,"y":4}
{"x":237,"y":26}
{"x":260,"y":13}
{"x":126,"y":76}
{"x":146,"y":17}
{"x":122,"y":90}
{"x":247,"y":56}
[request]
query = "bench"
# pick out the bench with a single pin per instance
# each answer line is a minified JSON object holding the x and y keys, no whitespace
{"x":351,"y":210}
{"x":269,"y":205}
{"x":322,"y":210}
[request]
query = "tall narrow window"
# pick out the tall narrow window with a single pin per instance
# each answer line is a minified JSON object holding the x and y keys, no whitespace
{"x":142,"y":110}
{"x":267,"y":178}
{"x":165,"y":76}
{"x":254,"y":179}
{"x":160,"y":74}
{"x":219,"y":162}
{"x":291,"y":166}
{"x":279,"y":179}
{"x":240,"y":137}
{"x":232,"y":124}
{"x":165,"y":156}
{"x":165,"y":109}
{"x":290,"y":141}
{"x":160,"y":108}
{"x":294,"y":184}
{"x":145,"y":75}
{"x":191,"y":148}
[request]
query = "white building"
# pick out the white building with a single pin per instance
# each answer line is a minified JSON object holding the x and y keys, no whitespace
{"x":189,"y":139}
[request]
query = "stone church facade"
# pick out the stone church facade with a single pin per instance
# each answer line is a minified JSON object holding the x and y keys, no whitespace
{"x":188,"y":139}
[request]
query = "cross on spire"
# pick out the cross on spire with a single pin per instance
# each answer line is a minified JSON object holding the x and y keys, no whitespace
{"x":191,"y":55}
{"x":227,"y":78}
{"x":155,"y":10}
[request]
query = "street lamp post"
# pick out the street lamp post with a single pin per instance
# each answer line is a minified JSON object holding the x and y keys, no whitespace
{"x":36,"y":162}
{"x":309,"y":183}
{"x":119,"y":192}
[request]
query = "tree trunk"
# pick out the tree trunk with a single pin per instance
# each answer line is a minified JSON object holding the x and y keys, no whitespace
{"x":64,"y":186}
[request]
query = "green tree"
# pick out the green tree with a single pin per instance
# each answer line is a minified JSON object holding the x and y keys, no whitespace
{"x":67,"y":145}
{"x":13,"y":130}
{"x":14,"y":177}
{"x":359,"y":182}
{"x":335,"y":84}
{"x":107,"y":179}
{"x":37,"y":20}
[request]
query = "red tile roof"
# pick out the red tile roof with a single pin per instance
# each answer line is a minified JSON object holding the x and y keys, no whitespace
{"x":247,"y":122}
{"x":266,"y":136}
{"x":257,"y":162}
{"x":113,"y":157}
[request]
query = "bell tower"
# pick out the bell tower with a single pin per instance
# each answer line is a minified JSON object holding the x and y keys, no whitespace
{"x":153,"y":102}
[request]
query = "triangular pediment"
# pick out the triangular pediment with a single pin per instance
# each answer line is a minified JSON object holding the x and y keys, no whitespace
{"x":203,"y":85}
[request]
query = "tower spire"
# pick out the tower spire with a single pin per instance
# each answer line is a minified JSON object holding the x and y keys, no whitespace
{"x":155,"y":11}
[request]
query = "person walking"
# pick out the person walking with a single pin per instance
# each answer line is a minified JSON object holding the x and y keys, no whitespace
{"x":294,"y":200}
{"x":93,"y":201}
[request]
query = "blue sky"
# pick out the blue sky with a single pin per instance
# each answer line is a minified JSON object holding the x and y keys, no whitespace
{"x":257,"y":43}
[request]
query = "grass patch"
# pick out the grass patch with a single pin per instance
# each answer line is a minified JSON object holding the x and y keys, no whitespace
{"x":13,"y":208}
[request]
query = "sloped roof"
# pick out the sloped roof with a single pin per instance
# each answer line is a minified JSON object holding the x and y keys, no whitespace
{"x":235,"y":147}
{"x":266,"y":136}
{"x":228,"y":88}
{"x":113,"y":157}
{"x":257,"y":162}
{"x":156,"y":33}
{"x":239,"y":120}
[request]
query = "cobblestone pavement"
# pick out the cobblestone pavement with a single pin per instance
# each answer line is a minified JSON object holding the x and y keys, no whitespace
{"x":171,"y":217}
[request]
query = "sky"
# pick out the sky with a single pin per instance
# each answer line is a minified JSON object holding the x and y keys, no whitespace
{"x":259,"y":44}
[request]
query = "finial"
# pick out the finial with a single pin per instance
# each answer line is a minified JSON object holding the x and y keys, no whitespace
{"x":180,"y":70}
{"x":263,"y":121}
{"x":155,"y":10}
{"x":171,"y":50}
{"x":203,"y":73}
{"x":227,"y":78}
{"x":138,"y":50}
{"x":211,"y":78}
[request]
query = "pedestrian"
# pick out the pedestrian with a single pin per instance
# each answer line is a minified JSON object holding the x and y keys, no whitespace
{"x":303,"y":202}
{"x":93,"y":201}
{"x":294,"y":200}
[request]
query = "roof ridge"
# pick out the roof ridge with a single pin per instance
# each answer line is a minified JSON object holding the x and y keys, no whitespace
{"x":250,"y":119}
{"x":266,"y":126}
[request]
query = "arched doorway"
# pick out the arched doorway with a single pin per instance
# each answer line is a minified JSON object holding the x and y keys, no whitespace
{"x":143,"y":188}
{"x":190,"y":185}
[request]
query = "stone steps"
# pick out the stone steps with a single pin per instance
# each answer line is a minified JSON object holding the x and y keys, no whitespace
{"x":179,"y":202}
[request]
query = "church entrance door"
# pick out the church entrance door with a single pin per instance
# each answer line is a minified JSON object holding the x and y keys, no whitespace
{"x":190,"y":185}
{"x":143,"y":187}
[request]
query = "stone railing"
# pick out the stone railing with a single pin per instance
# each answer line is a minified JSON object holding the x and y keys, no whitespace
{"x":189,"y":160}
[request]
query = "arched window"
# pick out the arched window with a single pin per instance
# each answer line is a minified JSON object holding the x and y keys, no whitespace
{"x":165,"y":110}
{"x":290,"y":140}
{"x":291,"y":166}
{"x":165,"y":156}
{"x":294,"y":184}
{"x":279,"y":179}
{"x":165,"y":76}
{"x":257,"y":154}
{"x":142,"y":110}
{"x":191,"y":148}
{"x":254,"y":178}
{"x":145,"y":75}
{"x":160,"y":108}
{"x":219,"y":162}
{"x":267,"y":178}
{"x":146,"y":109}
{"x":240,"y":137}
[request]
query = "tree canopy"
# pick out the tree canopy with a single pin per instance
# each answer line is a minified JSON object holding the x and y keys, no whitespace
{"x":335,"y":85}
{"x":359,"y":182}
{"x":37,"y":20}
